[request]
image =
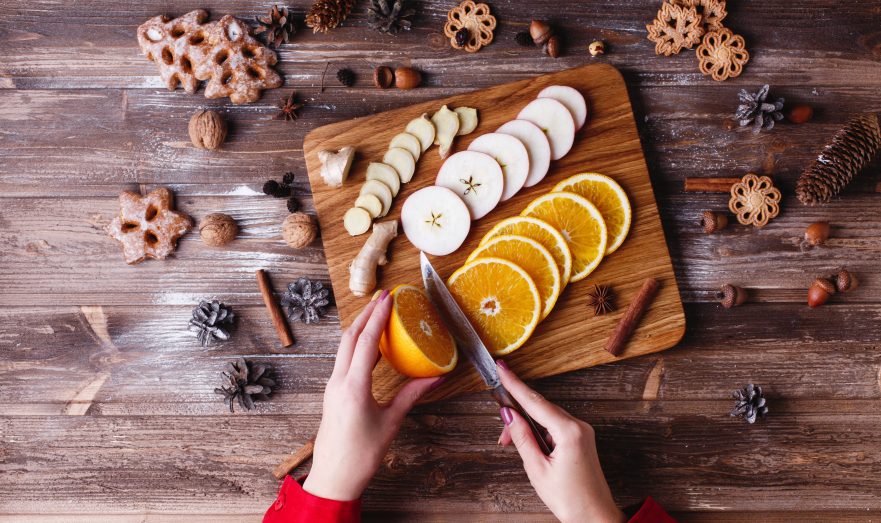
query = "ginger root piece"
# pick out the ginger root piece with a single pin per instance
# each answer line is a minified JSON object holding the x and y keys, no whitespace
{"x":335,"y":165}
{"x":362,"y":271}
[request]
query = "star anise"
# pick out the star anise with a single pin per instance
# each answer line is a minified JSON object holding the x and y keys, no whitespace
{"x":600,"y":299}
{"x":287,"y":109}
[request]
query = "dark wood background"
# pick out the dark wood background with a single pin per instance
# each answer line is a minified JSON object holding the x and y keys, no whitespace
{"x":106,"y":401}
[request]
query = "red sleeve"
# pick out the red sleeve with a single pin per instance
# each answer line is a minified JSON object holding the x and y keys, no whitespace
{"x":295,"y":505}
{"x":651,"y":512}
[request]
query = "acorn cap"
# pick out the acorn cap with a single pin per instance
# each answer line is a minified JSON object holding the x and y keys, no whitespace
{"x":845,"y":281}
{"x":712,"y":222}
{"x":731,"y":296}
{"x":824,"y":284}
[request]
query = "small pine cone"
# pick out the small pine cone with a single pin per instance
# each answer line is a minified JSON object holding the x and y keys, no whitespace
{"x":288,"y":179}
{"x":849,"y":151}
{"x":713,"y":222}
{"x":325,"y":15}
{"x":749,"y":403}
{"x":293,"y":204}
{"x":270,"y":187}
{"x":346,"y":77}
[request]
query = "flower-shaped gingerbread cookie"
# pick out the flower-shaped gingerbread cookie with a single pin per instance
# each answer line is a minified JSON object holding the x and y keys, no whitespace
{"x":147,"y":227}
{"x":676,"y":27}
{"x":722,"y":54}
{"x":476,"y":19}
{"x":754,"y":200}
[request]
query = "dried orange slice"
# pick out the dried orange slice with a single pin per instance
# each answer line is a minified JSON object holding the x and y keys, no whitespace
{"x":608,"y":197}
{"x":530,"y":256}
{"x":543,"y":233}
{"x":500,"y":300}
{"x":416,"y":342}
{"x":580,"y":222}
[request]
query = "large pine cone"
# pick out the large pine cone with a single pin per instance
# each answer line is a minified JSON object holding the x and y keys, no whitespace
{"x":851,"y":149}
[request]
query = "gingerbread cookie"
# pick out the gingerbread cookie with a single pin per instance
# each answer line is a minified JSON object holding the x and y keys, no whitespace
{"x":476,"y":20}
{"x":712,"y":12}
{"x":675,"y":28}
{"x":187,"y":50}
{"x":722,"y":54}
{"x":755,"y":200}
{"x":147,"y":227}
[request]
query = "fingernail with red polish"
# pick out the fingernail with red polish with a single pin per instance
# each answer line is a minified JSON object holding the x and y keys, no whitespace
{"x":437,"y":383}
{"x":502,"y":364}
{"x":383,"y":296}
{"x":507,"y":417}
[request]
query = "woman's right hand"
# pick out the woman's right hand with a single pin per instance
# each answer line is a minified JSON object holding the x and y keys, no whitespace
{"x":570,"y":481}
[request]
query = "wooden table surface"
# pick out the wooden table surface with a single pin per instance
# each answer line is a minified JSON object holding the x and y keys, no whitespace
{"x":106,"y":400}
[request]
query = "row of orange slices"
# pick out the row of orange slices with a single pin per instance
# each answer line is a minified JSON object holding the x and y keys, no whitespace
{"x":513,"y":279}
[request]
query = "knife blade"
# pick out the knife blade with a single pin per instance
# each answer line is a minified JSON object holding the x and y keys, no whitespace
{"x":471,"y":345}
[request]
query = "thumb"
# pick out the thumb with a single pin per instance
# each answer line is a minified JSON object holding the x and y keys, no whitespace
{"x":410,"y":394}
{"x":521,"y":435}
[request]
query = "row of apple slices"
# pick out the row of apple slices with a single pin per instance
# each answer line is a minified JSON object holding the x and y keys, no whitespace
{"x":495,"y":167}
{"x":384,"y":179}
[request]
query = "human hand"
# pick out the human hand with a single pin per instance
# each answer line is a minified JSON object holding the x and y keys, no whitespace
{"x":570,"y":481}
{"x":356,"y":431}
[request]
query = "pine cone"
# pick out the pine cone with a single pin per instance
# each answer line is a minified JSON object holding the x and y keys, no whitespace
{"x":244,"y":382}
{"x":278,"y":26}
{"x":750,"y":403}
{"x":211,"y":321}
{"x":306,"y":300}
{"x":387,"y":18}
{"x":849,"y":152}
{"x":346,"y":77}
{"x":324,"y":15}
{"x":755,"y":110}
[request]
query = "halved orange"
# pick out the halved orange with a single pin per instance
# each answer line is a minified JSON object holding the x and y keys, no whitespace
{"x":416,"y":342}
{"x":500,"y":300}
{"x":580,"y":222}
{"x":530,"y":256}
{"x":543,"y":233}
{"x":608,"y":197}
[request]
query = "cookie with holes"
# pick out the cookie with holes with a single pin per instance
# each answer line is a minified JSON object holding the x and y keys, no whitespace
{"x":188,"y":50}
{"x":148,"y":226}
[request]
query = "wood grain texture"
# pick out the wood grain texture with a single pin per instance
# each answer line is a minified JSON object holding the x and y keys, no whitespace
{"x":106,"y":404}
{"x":566,"y":340}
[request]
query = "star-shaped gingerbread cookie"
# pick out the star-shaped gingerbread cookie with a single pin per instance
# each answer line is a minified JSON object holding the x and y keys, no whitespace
{"x":147,"y":226}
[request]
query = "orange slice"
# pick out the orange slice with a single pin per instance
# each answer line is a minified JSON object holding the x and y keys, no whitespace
{"x":530,"y":256}
{"x":416,"y":342}
{"x":500,"y":300}
{"x":580,"y":222}
{"x":608,"y":197}
{"x":543,"y":233}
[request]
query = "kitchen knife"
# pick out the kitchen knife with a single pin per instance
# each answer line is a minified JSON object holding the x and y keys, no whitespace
{"x":471,"y":345}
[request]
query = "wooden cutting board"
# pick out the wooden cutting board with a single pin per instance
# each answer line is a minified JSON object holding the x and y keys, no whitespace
{"x":570,"y":337}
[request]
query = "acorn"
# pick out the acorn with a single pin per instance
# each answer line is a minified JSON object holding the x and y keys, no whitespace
{"x":407,"y":78}
{"x":845,"y":281}
{"x":800,"y":114}
{"x":731,"y":296}
{"x":383,"y":77}
{"x":817,"y":233}
{"x":540,"y":32}
{"x":713,"y":222}
{"x":596,"y":48}
{"x":553,"y":47}
{"x":820,"y":292}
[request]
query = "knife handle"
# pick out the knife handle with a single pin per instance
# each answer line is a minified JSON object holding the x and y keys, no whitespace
{"x":504,"y":399}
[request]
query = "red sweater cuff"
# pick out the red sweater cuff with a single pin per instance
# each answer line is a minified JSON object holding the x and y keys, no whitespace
{"x":295,"y":505}
{"x":651,"y":512}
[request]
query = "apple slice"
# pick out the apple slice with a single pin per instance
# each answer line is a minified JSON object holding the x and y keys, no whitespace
{"x":446,"y":124}
{"x":409,"y":142}
{"x":537,"y":145}
{"x":467,"y":120}
{"x":357,"y":221}
{"x":555,"y":121}
{"x":402,"y":161}
{"x":571,"y":98}
{"x":386,"y":174}
{"x":511,"y":155}
{"x":370,"y":203}
{"x":381,"y":191}
{"x":476,"y":178}
{"x":435,"y":220}
{"x":423,"y":129}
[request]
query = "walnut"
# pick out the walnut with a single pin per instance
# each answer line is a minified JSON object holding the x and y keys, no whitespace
{"x":218,"y":229}
{"x":299,"y":230}
{"x":207,"y":130}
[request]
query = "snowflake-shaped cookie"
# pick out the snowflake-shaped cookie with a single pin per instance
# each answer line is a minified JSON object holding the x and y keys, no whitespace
{"x":712,"y":12}
{"x":675,"y":28}
{"x":147,"y":227}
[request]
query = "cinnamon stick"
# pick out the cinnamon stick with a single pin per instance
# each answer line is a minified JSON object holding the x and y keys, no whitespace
{"x":294,"y":460}
{"x":627,"y":324}
{"x":709,"y":184}
{"x":275,"y":313}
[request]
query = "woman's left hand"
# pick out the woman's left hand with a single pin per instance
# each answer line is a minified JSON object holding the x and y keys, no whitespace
{"x":356,"y":431}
